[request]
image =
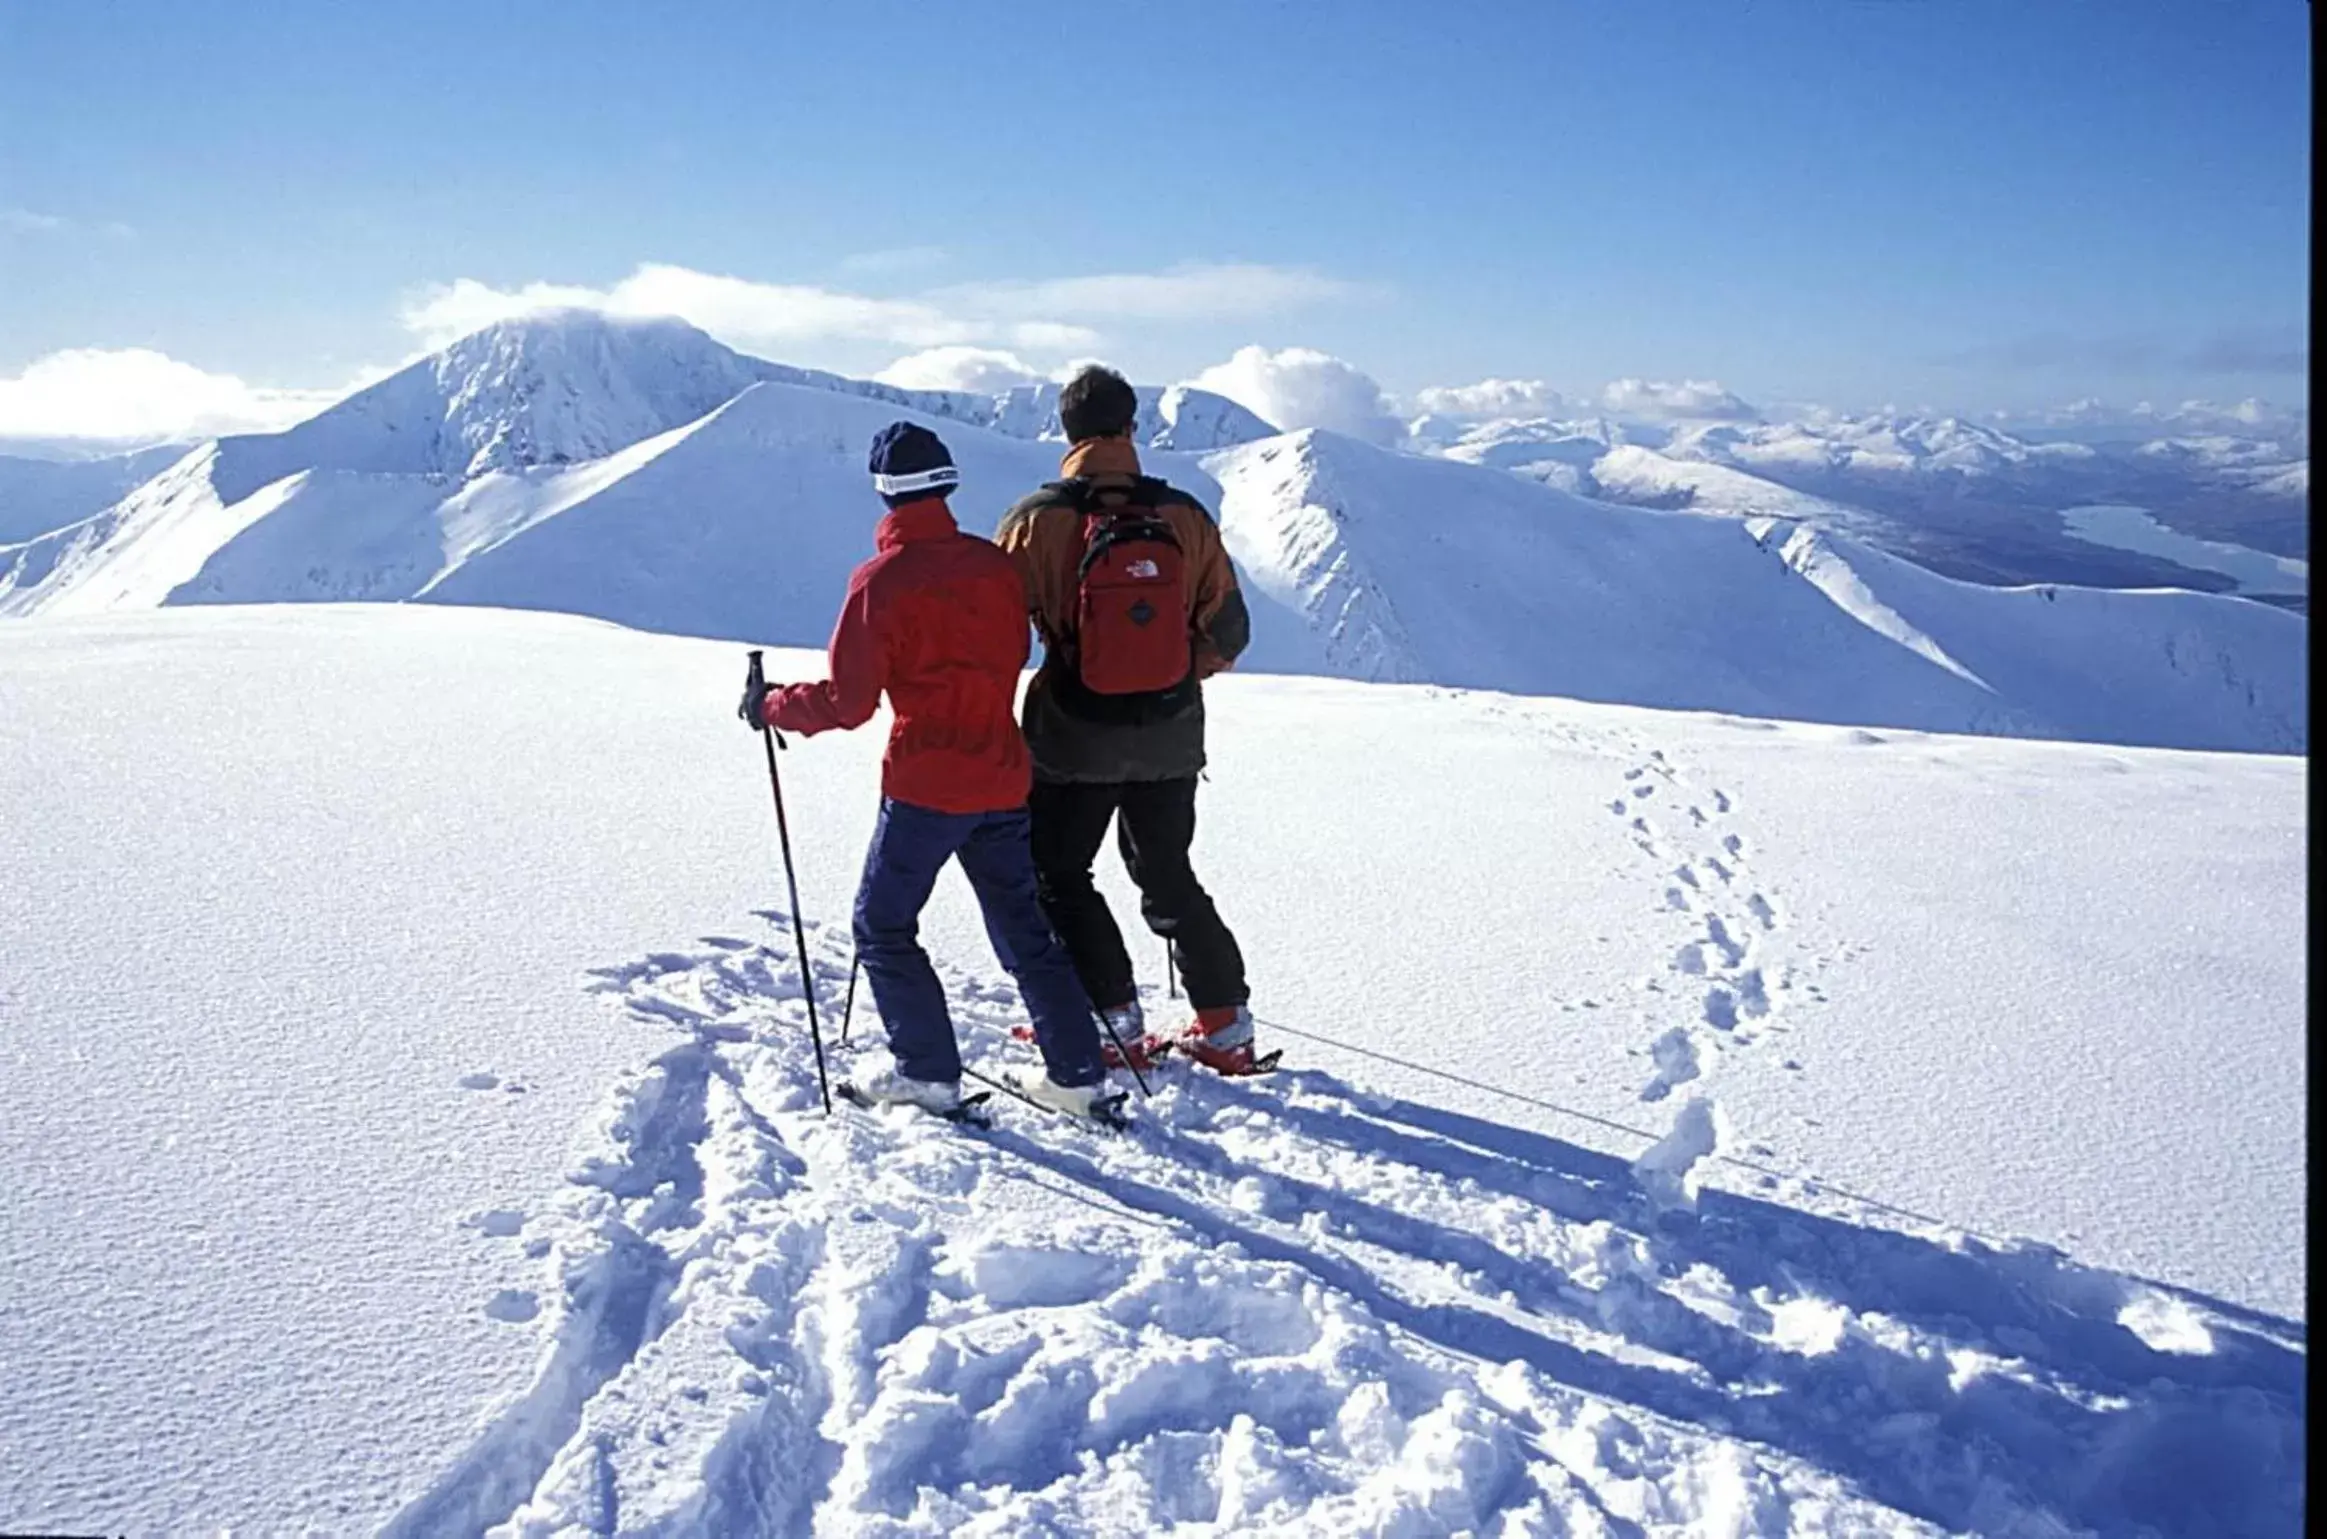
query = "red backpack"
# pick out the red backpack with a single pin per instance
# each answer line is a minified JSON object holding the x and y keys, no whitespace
{"x":1132,"y":655}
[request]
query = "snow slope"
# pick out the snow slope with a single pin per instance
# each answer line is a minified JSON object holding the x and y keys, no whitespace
{"x":641,"y":472}
{"x":1633,"y":474}
{"x":1414,"y":569}
{"x":386,"y":495}
{"x":2161,"y":667}
{"x":411,"y":1125}
{"x":745,"y":522}
{"x":38,"y":495}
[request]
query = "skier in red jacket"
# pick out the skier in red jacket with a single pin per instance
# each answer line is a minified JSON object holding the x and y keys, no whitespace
{"x":937,"y":620}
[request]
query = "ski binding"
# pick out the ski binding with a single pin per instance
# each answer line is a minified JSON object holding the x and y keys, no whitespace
{"x":969,"y":1111}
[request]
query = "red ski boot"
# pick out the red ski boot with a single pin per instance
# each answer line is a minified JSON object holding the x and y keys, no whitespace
{"x":1123,"y":1024}
{"x":1221,"y":1040}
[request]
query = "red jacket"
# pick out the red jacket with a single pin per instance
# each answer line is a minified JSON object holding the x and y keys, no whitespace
{"x":938,"y":619}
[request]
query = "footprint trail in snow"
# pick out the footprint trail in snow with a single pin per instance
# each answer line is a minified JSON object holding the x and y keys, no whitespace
{"x":1725,"y":966}
{"x":1291,"y":1304}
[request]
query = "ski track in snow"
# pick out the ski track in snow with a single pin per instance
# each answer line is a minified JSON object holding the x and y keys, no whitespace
{"x":1293,"y":1304}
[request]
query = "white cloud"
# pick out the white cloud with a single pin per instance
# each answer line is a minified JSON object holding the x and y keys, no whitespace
{"x":1491,"y":398}
{"x":737,"y":310}
{"x":980,"y":370}
{"x":1695,"y":399}
{"x":1048,"y":317}
{"x":1299,"y":387}
{"x":134,"y":394}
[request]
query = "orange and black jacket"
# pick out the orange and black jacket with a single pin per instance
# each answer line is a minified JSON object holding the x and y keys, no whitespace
{"x":1044,"y":535}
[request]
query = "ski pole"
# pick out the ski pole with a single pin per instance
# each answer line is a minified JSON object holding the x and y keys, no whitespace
{"x":1124,"y":1053}
{"x":1171,"y":968}
{"x":856,"y":964}
{"x":770,"y":740}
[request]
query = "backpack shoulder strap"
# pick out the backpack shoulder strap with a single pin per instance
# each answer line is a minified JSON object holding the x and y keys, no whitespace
{"x":1144,"y":495}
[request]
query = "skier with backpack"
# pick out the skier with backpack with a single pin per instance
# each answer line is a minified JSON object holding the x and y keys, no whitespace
{"x":937,"y":620}
{"x":1132,"y":592}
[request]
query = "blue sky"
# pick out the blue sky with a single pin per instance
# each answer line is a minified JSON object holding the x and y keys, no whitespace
{"x":1940,"y":202}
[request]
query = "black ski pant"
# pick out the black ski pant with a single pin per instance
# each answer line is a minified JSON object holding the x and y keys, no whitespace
{"x":1155,"y":823}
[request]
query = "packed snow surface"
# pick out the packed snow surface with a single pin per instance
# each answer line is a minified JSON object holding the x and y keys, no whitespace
{"x":411,"y":1122}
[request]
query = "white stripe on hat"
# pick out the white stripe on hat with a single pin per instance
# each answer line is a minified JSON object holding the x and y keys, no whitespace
{"x":917,"y":481}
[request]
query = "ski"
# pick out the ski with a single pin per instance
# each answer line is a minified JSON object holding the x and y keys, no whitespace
{"x":969,"y":1111}
{"x":1266,"y":1063}
{"x":1106,"y":1112}
{"x":1149,"y":1051}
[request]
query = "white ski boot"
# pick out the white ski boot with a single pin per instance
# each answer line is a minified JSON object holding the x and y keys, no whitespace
{"x":886,"y":1087}
{"x":1093,"y":1103}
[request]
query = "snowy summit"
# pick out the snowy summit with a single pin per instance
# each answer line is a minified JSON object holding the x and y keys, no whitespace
{"x":1775,"y":1038}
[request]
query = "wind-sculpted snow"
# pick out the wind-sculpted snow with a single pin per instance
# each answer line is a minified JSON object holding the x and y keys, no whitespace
{"x":1299,"y":1305}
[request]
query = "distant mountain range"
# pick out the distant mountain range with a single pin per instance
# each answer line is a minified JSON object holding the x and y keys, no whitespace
{"x":643,"y":473}
{"x":1966,"y":499}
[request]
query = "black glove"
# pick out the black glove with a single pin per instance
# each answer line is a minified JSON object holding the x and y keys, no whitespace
{"x":755,"y":699}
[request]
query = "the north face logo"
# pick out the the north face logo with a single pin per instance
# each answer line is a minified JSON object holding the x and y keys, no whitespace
{"x":1143,"y":568}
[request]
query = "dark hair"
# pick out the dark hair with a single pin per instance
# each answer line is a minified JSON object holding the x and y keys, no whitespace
{"x":1097,"y":403}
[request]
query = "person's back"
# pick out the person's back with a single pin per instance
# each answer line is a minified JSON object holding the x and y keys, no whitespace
{"x":937,"y":621}
{"x":956,"y":640}
{"x":1132,"y":759}
{"x":1073,"y":737}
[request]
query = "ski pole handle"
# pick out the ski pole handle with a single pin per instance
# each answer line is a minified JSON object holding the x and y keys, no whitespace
{"x":755,"y":678}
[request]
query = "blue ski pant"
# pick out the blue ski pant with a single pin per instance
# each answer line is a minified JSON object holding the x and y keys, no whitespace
{"x":910,"y":847}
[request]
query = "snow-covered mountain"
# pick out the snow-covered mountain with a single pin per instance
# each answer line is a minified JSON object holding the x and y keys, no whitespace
{"x":1968,"y":499}
{"x":37,"y":495}
{"x":1876,"y":445}
{"x":412,"y":1127}
{"x":1421,"y":570}
{"x":743,"y":522}
{"x":571,"y":386}
{"x":643,"y":473}
{"x":383,"y":495}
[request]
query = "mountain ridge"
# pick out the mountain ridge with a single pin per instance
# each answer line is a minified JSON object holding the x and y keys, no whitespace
{"x":458,"y":481}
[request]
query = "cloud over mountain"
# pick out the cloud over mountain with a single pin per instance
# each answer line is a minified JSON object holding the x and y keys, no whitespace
{"x":1700,"y":400}
{"x":1300,"y":387}
{"x":1491,"y":398}
{"x":977,"y":370}
{"x":1051,"y":315}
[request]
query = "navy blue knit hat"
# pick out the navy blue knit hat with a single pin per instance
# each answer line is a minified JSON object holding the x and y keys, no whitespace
{"x":909,"y":464}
